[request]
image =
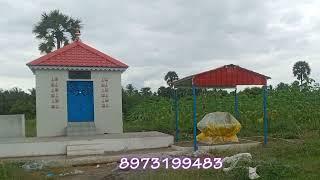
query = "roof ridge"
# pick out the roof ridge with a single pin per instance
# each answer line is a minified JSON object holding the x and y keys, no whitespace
{"x":233,"y":65}
{"x":61,"y":57}
{"x":253,"y":72}
{"x":94,"y":51}
{"x":101,"y":54}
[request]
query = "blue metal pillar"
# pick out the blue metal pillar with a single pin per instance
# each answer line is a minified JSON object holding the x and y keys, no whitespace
{"x":236,"y":104}
{"x":177,"y":114}
{"x":265,"y":114}
{"x":195,"y":146}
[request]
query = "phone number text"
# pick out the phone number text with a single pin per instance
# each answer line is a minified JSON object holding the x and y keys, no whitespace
{"x":175,"y":163}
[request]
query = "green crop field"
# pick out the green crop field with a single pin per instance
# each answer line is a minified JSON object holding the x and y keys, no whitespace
{"x":291,"y":113}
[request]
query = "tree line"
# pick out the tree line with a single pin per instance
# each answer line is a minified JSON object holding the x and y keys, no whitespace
{"x":301,"y":70}
{"x":16,"y":101}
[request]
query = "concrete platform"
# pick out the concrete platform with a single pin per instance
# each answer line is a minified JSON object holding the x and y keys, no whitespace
{"x":111,"y":157}
{"x":242,"y":146}
{"x":88,"y":145}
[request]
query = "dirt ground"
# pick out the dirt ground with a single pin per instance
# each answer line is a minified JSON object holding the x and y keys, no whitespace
{"x":103,"y":171}
{"x":89,"y":172}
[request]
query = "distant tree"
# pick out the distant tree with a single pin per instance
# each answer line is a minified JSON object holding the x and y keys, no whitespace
{"x":295,"y":85}
{"x":55,"y":30}
{"x":161,"y":91}
{"x":252,"y":91}
{"x":136,"y":92}
{"x":270,"y":87}
{"x":316,"y":86}
{"x":146,"y":91}
{"x":170,"y":77}
{"x":164,"y":91}
{"x":32,"y":92}
{"x":301,"y":70}
{"x":309,"y":84}
{"x":16,"y":101}
{"x":130,"y":89}
{"x":24,"y":106}
{"x":282,"y":86}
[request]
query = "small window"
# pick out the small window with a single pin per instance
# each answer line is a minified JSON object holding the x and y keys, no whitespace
{"x":79,"y":74}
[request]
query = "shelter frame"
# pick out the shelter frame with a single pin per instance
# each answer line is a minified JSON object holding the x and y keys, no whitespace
{"x":228,"y":76}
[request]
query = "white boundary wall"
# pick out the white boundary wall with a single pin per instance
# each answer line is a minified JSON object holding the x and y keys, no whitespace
{"x":12,"y":125}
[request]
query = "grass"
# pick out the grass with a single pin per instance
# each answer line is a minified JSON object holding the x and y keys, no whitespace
{"x":294,"y":160}
{"x":30,"y":126}
{"x":13,"y":171}
{"x":286,"y":160}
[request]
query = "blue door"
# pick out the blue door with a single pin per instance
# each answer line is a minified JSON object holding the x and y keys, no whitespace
{"x":80,"y":101}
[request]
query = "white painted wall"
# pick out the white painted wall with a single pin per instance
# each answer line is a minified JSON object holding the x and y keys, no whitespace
{"x":52,"y":122}
{"x":12,"y":125}
{"x":108,"y":120}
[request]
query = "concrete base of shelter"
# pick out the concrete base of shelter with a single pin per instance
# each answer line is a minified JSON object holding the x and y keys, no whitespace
{"x":242,"y":146}
{"x":85,"y":145}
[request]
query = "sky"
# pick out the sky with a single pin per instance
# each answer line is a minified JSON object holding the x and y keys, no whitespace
{"x":154,"y":37}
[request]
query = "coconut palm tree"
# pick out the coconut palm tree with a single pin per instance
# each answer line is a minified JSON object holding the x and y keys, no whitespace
{"x":55,"y":30}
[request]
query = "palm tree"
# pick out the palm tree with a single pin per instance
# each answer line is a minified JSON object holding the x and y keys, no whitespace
{"x":301,"y":70}
{"x":55,"y":30}
{"x":130,"y":89}
{"x":170,"y":77}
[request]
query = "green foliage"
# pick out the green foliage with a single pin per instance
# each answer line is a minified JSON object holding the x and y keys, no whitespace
{"x":16,"y":101}
{"x":145,"y":91}
{"x":164,"y":92}
{"x":252,"y":91}
{"x":170,"y":77}
{"x":14,"y":171}
{"x":283,"y":86}
{"x":130,"y":89}
{"x":301,"y":70}
{"x":55,"y":29}
{"x":290,"y":112}
{"x":31,"y":130}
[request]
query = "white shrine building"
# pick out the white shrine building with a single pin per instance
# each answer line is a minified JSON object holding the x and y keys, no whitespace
{"x":78,"y":92}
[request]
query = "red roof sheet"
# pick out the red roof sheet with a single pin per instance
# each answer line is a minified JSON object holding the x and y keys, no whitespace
{"x":227,"y":76}
{"x":77,"y":54}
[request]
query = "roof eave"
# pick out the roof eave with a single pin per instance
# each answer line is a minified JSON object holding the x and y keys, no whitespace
{"x":79,"y":68}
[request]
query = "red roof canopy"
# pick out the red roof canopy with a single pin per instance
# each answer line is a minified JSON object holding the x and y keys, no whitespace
{"x":228,"y":76}
{"x":77,"y":54}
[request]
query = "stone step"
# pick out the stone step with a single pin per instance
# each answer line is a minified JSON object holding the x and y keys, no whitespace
{"x":81,"y":129}
{"x":85,"y":149}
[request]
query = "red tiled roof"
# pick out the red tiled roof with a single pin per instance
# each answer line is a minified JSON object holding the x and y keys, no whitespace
{"x":77,"y":54}
{"x":228,"y":76}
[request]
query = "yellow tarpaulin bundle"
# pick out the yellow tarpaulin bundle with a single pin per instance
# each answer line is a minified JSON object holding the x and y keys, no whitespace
{"x":218,"y":127}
